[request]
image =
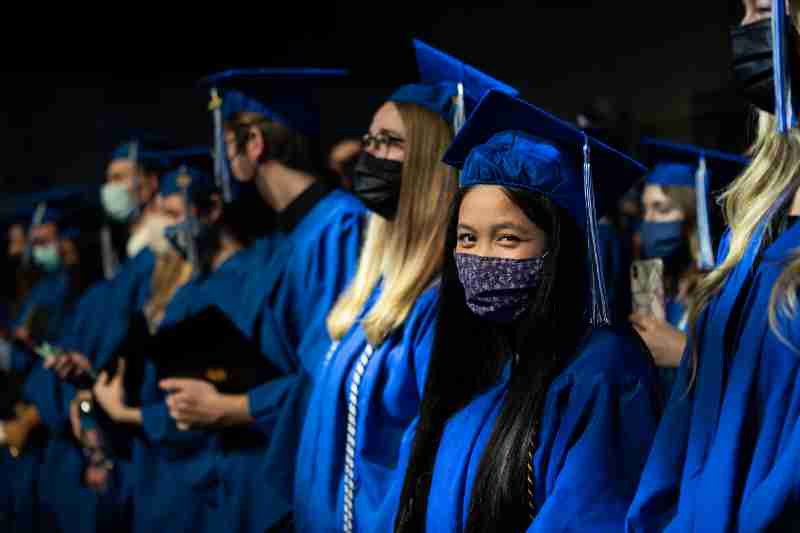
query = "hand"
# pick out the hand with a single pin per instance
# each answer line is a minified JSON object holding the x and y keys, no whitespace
{"x":75,"y":414}
{"x":22,"y":334}
{"x":193,"y":402}
{"x":96,"y":477}
{"x":110,"y":394}
{"x":16,"y":435}
{"x":665,"y":341}
{"x":68,"y":365}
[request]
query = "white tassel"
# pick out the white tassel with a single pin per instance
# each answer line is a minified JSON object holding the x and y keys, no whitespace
{"x":598,"y":314}
{"x":784,"y":110}
{"x":706,"y":261}
{"x":460,"y":116}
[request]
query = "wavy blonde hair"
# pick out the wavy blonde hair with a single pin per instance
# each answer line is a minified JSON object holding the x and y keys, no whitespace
{"x":772,"y":176}
{"x":406,"y":252}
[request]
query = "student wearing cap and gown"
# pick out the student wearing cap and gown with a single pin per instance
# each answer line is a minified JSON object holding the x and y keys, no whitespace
{"x":677,"y":229}
{"x":726,"y":451}
{"x":287,"y":293}
{"x":169,"y":468}
{"x":368,"y":387}
{"x":52,"y":298}
{"x":99,"y":322}
{"x":520,"y":427}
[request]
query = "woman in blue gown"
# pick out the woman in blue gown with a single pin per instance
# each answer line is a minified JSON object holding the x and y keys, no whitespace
{"x":533,"y":414}
{"x":725,"y":454}
{"x":367,"y":388}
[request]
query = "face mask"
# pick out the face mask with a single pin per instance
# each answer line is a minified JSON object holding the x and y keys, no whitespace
{"x":205,"y":241}
{"x":376,"y":182}
{"x":497,"y":288}
{"x":662,"y":239}
{"x":117,"y":201}
{"x":47,"y":257}
{"x":753,"y":73}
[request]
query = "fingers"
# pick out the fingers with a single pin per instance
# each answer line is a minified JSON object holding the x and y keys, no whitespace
{"x":175,"y":384}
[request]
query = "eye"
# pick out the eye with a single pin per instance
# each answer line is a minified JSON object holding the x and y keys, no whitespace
{"x":508,"y":238}
{"x":466,"y":238}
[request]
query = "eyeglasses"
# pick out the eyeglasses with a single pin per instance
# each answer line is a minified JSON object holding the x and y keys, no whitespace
{"x":381,"y":139}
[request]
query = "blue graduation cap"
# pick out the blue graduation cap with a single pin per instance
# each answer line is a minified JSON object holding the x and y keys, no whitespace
{"x":509,"y":142}
{"x":190,"y":174}
{"x":703,"y":169}
{"x":280,"y":94}
{"x":448,"y":86}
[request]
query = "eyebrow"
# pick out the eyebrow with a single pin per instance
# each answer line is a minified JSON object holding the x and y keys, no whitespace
{"x":663,"y":204}
{"x":496,"y":227}
{"x":509,"y":225}
{"x":391,"y":132}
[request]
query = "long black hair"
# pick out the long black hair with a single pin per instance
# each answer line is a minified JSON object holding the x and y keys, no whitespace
{"x":468,"y":356}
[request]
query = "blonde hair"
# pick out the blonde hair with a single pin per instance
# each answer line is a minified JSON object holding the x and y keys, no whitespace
{"x":771,"y":177}
{"x":171,"y":272}
{"x":406,"y":252}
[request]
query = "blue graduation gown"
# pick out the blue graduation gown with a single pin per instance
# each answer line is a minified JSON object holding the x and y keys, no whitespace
{"x":171,"y":469}
{"x":599,"y":419}
{"x":725,"y":455}
{"x":285,"y":304}
{"x":387,"y":396}
{"x":51,"y":294}
{"x":615,"y":272}
{"x":676,"y":316}
{"x":98,"y":323}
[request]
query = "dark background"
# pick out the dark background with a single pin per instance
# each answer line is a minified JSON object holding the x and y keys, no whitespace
{"x":662,"y":66}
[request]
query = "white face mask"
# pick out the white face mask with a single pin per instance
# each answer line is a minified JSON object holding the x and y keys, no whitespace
{"x":47,"y":256}
{"x":150,"y":234}
{"x":117,"y":200}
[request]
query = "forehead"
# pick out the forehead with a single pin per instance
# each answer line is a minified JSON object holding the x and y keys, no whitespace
{"x":653,"y":194}
{"x":45,"y":229}
{"x":173,"y":202}
{"x":120,"y":166}
{"x":487,"y":204}
{"x":387,"y":118}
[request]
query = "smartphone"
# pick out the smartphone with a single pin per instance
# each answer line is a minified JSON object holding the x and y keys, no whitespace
{"x":647,"y":287}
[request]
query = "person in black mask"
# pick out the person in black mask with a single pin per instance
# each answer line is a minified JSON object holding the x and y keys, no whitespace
{"x":753,"y":66}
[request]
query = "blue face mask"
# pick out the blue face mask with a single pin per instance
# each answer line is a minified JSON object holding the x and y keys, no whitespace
{"x":662,"y":239}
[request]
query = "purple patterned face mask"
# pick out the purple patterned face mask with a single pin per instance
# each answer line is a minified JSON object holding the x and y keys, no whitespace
{"x":497,"y":288}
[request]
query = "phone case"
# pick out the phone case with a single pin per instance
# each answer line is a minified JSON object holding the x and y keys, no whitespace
{"x":647,"y":287}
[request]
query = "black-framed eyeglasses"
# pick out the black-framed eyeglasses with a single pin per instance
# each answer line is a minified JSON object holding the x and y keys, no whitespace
{"x":381,"y":139}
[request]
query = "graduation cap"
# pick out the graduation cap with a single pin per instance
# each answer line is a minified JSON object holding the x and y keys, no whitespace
{"x":703,"y":169}
{"x":206,"y":345}
{"x":511,"y":143}
{"x":283,"y":95}
{"x":194,"y":162}
{"x":448,"y":86}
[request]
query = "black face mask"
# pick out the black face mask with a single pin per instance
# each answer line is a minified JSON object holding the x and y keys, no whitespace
{"x":753,"y":72}
{"x":376,"y":182}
